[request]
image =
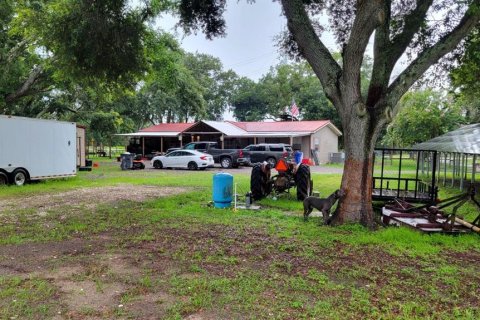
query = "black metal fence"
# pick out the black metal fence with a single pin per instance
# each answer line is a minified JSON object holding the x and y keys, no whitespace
{"x":406,"y":174}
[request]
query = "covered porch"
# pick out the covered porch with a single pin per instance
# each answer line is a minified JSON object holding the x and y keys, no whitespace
{"x":149,"y":144}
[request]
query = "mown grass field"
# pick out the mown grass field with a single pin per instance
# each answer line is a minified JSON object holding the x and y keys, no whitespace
{"x":147,"y":245}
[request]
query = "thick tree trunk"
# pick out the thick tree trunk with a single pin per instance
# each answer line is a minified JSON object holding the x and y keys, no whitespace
{"x":363,"y":117}
{"x":356,"y":205}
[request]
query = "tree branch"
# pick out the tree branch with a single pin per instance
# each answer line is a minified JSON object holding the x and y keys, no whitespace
{"x":413,"y":22}
{"x":380,"y":77}
{"x":16,"y":51}
{"x":388,"y":52}
{"x":431,"y":55}
{"x":370,"y":14}
{"x":42,"y":112}
{"x":312,"y":48}
{"x":26,"y":87}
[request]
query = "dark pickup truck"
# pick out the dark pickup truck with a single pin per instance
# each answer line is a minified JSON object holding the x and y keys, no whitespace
{"x":227,"y":158}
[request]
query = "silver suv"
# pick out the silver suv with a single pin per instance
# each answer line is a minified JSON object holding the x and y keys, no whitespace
{"x":270,"y":152}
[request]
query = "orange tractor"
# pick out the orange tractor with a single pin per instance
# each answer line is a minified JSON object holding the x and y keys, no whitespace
{"x":290,"y":174}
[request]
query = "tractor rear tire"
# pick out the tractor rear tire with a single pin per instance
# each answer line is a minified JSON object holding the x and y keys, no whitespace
{"x":258,"y":183}
{"x":303,"y":182}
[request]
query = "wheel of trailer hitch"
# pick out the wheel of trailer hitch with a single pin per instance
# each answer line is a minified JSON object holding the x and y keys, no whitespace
{"x":19,"y":177}
{"x":3,"y":179}
{"x":258,"y":183}
{"x":303,"y":182}
{"x":157,"y":164}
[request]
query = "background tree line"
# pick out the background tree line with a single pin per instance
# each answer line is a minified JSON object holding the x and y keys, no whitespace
{"x":144,"y":77}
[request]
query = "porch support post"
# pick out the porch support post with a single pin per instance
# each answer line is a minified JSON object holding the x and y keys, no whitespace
{"x":161,"y":144}
{"x":143,"y":147}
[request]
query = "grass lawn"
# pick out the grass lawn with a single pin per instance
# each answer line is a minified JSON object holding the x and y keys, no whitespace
{"x":147,"y":245}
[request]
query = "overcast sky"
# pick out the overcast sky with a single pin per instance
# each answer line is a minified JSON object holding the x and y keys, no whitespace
{"x":249,"y":47}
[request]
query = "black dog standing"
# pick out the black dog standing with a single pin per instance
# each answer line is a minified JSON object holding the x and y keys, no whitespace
{"x":321,"y":204}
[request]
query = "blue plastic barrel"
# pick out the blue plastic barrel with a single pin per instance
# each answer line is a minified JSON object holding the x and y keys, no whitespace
{"x":298,"y":157}
{"x":222,"y":190}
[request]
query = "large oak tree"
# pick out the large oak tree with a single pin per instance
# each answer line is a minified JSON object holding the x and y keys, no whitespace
{"x":426,"y":29}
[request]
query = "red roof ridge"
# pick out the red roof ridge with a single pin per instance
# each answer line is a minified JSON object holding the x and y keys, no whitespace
{"x":282,"y":126}
{"x":304,"y":126}
{"x":168,"y":127}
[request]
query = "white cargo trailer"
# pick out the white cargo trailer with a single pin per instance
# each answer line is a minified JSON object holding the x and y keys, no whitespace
{"x":35,"y":149}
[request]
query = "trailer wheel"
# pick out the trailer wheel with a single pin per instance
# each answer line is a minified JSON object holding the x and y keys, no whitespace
{"x":3,"y":179}
{"x":19,"y":177}
{"x":258,"y":183}
{"x":303,"y":182}
{"x":226,"y":162}
{"x":157,"y":164}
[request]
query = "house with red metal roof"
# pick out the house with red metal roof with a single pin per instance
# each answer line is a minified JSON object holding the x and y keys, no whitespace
{"x":167,"y":129}
{"x":316,"y":139}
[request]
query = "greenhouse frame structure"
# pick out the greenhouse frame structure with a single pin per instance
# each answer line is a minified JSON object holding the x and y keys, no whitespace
{"x":457,"y":158}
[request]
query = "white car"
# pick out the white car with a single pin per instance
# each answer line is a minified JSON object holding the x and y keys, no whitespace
{"x":187,"y":159}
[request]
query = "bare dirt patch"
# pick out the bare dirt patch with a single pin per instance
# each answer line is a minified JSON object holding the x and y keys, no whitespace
{"x":87,"y":294}
{"x":150,"y":305}
{"x":88,"y":197}
{"x":101,"y":277}
{"x":90,"y":276}
{"x":40,"y":257}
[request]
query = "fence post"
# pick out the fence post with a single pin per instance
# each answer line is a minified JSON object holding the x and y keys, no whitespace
{"x":474,"y":169}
